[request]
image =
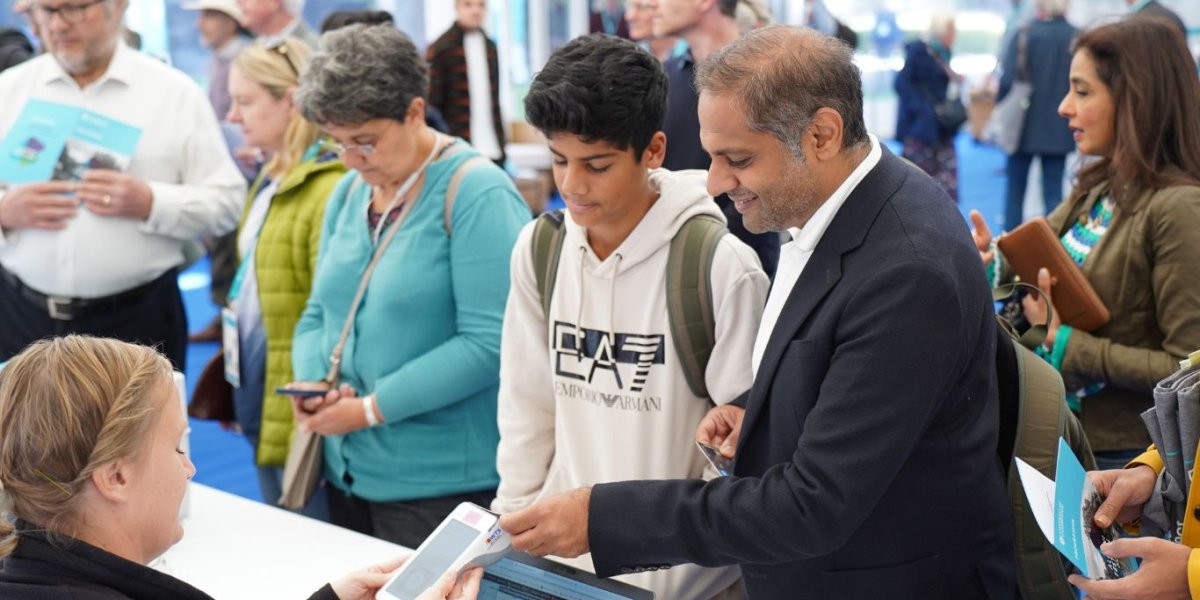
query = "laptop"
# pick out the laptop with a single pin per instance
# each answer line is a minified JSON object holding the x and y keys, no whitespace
{"x":519,"y":576}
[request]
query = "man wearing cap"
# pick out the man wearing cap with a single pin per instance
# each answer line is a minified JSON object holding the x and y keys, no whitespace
{"x":99,"y":255}
{"x":220,"y":25}
{"x":273,"y":21}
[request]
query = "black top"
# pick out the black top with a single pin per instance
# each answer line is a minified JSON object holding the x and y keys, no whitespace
{"x":69,"y":569}
{"x":682,"y":125}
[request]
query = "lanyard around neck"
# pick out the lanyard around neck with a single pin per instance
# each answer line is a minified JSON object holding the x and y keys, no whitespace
{"x":405,"y":187}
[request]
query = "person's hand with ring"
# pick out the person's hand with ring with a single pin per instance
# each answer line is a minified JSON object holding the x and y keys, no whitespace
{"x":46,"y":205}
{"x":115,"y":194}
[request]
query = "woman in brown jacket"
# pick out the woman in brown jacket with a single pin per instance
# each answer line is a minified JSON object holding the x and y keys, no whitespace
{"x":1132,"y":223}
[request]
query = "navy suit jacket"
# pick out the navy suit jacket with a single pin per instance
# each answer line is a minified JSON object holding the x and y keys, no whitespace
{"x":866,"y":466}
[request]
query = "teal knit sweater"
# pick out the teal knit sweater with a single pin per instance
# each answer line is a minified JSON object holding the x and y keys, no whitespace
{"x":426,"y":339}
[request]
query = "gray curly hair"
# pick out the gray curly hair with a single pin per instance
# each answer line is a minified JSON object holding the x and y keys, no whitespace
{"x":360,"y":73}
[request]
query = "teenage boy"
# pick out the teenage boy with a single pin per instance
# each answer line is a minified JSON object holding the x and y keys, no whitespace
{"x":593,"y":385}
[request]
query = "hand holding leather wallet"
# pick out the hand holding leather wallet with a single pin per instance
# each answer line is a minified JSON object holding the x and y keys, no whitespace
{"x":1032,"y":246}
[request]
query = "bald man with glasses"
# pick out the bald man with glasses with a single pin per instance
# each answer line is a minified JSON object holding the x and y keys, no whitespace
{"x":99,"y":255}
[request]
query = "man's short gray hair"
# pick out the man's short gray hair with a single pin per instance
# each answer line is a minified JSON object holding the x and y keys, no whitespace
{"x":781,"y":75}
{"x":360,"y":73}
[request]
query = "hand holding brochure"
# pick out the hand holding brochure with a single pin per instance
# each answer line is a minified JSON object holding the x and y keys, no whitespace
{"x":1064,"y":510}
{"x":52,"y":141}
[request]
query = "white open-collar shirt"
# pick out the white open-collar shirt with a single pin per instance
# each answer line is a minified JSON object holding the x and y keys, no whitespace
{"x":794,"y":255}
{"x":181,"y":155}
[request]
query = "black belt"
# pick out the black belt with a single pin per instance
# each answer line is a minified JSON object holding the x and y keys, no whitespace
{"x":62,"y":308}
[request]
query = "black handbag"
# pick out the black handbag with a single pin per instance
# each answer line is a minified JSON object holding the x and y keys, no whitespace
{"x":950,"y":113}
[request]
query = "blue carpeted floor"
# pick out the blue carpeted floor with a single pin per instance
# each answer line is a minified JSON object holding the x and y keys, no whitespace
{"x":224,"y":459}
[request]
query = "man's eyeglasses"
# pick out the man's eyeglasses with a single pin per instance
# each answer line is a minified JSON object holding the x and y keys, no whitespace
{"x":281,"y":49}
{"x":71,"y":13}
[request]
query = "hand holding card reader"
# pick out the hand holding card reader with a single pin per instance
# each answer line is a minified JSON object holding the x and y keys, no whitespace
{"x":469,"y":537}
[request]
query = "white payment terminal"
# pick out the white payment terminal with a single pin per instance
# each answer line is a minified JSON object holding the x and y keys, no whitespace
{"x":470,"y":536}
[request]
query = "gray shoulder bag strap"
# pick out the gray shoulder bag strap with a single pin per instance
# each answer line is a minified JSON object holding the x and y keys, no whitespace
{"x":335,"y":358}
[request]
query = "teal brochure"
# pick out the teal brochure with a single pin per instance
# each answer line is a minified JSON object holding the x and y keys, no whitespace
{"x":52,"y":141}
{"x":1064,"y":509}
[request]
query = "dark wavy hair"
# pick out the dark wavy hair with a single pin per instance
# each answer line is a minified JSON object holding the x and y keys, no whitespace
{"x":600,"y":88}
{"x":1151,"y":76}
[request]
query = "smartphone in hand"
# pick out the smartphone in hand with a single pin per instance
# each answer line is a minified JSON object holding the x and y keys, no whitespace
{"x":723,"y":466}
{"x":286,"y":391}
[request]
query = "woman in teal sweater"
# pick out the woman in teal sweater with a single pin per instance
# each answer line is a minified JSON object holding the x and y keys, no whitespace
{"x":411,"y":432}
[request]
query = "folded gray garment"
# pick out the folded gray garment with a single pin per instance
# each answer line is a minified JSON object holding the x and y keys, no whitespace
{"x":1174,"y":426}
{"x":1189,"y":424}
{"x":1162,"y":515}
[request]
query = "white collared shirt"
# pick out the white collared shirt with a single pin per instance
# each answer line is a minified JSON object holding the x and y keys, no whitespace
{"x":181,"y":155}
{"x":479,"y":88}
{"x":794,"y":255}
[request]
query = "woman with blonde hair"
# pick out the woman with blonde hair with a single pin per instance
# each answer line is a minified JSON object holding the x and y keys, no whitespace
{"x":90,"y":457}
{"x":277,"y":245}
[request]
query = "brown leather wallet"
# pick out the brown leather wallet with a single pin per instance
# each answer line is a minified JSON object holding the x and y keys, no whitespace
{"x":1032,"y":246}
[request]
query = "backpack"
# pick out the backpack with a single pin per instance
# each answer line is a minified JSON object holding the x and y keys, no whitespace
{"x":689,"y":285}
{"x":1033,"y":415}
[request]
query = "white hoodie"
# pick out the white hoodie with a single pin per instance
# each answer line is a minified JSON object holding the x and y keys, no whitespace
{"x":622,"y":408}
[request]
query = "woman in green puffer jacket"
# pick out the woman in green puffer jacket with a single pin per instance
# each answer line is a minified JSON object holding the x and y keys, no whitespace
{"x":277,"y":247}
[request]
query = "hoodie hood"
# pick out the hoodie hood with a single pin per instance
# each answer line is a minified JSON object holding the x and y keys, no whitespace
{"x":681,"y":196}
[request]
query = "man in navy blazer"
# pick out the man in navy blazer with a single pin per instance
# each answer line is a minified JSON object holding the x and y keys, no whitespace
{"x":866,"y":451}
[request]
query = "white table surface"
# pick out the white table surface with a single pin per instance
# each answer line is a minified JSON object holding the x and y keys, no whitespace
{"x":236,"y":549}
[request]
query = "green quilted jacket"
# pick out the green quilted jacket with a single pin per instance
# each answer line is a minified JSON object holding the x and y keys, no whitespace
{"x":284,"y":260}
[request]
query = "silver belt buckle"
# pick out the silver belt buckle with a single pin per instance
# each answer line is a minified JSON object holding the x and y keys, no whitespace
{"x":59,"y":308}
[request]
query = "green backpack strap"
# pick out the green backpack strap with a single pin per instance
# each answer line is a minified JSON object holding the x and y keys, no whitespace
{"x":689,"y":295}
{"x":1042,"y":417}
{"x":548,"y":237}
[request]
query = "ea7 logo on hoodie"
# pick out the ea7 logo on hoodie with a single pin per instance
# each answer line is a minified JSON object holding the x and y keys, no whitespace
{"x":589,"y":355}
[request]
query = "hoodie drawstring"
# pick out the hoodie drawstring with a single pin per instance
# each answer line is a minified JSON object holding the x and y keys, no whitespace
{"x":612,"y":299}
{"x":579,"y":311}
